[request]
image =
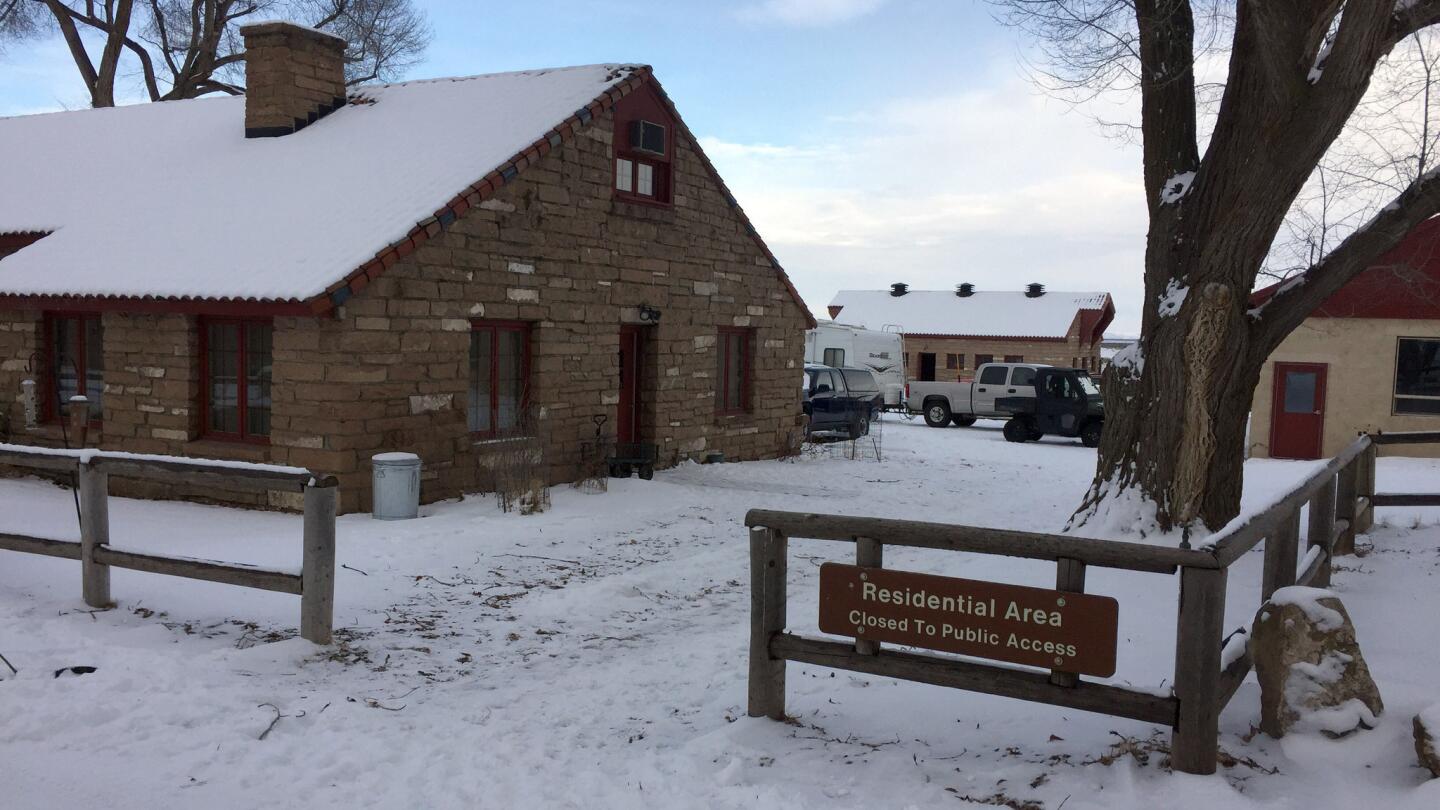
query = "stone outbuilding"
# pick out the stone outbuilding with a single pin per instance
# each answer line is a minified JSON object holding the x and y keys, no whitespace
{"x":950,"y":334}
{"x":310,"y":276}
{"x":1366,"y":360}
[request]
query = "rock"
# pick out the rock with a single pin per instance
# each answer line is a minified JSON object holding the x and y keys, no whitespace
{"x":1427,"y":739}
{"x":1312,"y":675}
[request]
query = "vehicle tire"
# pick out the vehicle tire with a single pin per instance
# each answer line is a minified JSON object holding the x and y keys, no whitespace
{"x":647,"y":472}
{"x":1017,"y":431}
{"x":622,"y":470}
{"x":1090,"y":434}
{"x":937,"y":413}
{"x":963,"y":421}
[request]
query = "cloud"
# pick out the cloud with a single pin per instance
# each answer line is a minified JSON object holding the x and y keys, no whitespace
{"x":807,"y":12}
{"x":998,"y":188}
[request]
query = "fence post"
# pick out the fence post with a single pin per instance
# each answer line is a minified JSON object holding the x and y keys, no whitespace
{"x":868,"y":554}
{"x":1322,"y":528}
{"x":1280,"y":549}
{"x":317,"y":573}
{"x":1198,"y":636}
{"x":1070,"y":577}
{"x":94,"y":491}
{"x":1365,"y":487}
{"x":1346,"y":489}
{"x":767,"y":617}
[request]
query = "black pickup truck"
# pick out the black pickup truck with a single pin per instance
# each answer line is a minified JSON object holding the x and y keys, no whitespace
{"x":840,"y":399}
{"x":1066,"y":403}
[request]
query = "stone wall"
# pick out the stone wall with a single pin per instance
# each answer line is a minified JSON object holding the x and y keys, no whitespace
{"x":388,"y":370}
{"x":1050,"y":352}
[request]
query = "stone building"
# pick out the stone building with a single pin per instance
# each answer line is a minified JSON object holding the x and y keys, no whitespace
{"x":949,"y":334}
{"x":443,"y":267}
{"x":1366,"y":360}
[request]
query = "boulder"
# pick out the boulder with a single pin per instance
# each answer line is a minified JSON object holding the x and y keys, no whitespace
{"x":1427,"y":739}
{"x":1312,"y":675}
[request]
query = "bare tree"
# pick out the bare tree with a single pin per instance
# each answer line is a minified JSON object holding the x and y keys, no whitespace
{"x":190,"y":48}
{"x":1218,"y":190}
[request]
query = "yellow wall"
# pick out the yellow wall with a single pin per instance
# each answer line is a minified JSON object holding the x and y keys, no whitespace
{"x":1360,"y":381}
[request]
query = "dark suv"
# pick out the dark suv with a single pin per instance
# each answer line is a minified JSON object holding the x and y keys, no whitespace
{"x":843,"y":399}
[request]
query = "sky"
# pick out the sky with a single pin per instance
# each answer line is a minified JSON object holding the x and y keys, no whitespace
{"x":870,"y":141}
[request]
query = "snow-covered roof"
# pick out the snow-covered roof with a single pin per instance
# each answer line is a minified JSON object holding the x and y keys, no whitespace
{"x":981,"y":314}
{"x":171,"y":200}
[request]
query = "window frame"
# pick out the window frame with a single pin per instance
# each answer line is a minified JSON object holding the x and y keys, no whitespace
{"x":50,"y":406}
{"x":1395,"y":397}
{"x":825,"y":356}
{"x":242,"y":383}
{"x":525,"y":329}
{"x":982,"y":359}
{"x":747,"y":370}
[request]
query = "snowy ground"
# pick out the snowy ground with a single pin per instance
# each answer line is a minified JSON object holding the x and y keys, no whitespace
{"x":595,"y":656}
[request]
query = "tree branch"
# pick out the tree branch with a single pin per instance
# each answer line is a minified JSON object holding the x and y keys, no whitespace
{"x":1167,"y":93}
{"x":1294,"y":302}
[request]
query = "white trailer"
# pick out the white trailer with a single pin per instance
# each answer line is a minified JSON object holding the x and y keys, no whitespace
{"x":882,"y":352}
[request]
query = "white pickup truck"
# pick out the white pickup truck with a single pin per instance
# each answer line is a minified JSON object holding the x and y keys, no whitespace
{"x":963,"y":402}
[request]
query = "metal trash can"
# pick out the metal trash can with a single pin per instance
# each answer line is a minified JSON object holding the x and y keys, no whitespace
{"x":396,"y":486}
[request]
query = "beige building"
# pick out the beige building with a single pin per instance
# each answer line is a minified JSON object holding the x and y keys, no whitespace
{"x":1367,"y":360}
{"x":949,"y":334}
{"x":440,"y":267}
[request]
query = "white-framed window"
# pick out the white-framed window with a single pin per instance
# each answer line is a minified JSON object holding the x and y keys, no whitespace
{"x":645,"y":180}
{"x":624,"y":174}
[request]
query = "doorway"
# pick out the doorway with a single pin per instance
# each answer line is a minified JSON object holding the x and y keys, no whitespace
{"x":927,"y":367}
{"x":632,"y":366}
{"x":1297,"y":418}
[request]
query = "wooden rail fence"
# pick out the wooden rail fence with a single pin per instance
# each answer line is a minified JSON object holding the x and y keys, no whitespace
{"x":315,"y":584}
{"x":1341,"y":498}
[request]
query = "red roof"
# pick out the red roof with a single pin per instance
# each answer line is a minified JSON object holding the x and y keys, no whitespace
{"x":1403,"y":284}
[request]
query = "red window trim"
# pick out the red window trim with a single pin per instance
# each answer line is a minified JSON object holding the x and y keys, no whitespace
{"x":495,"y":326}
{"x":49,"y":406}
{"x":722,"y":388}
{"x":241,"y":395}
{"x":661,"y":170}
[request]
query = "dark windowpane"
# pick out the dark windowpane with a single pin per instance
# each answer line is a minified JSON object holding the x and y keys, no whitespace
{"x":1417,"y":368}
{"x":223,"y":364}
{"x":1417,"y":405}
{"x":733,"y":368}
{"x":1014,"y":358}
{"x":1022,"y":376}
{"x":257,"y":379}
{"x":94,"y":366}
{"x":982,"y":359}
{"x":994,"y":375}
{"x":65,"y":348}
{"x":1300,"y":391}
{"x":509,"y":378}
{"x":834,"y":357}
{"x":480,"y":384}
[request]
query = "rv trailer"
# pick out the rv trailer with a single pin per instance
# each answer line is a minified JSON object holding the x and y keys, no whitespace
{"x":882,"y":352}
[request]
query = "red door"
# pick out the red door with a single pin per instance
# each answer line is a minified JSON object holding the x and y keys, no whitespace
{"x":1297,"y":420}
{"x":627,"y":411}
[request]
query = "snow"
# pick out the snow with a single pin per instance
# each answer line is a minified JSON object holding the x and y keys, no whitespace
{"x":300,"y":211}
{"x":1235,"y":648}
{"x":1176,"y":188}
{"x":1132,"y":358}
{"x":594,"y":656}
{"x":1306,"y":681}
{"x":383,"y":457}
{"x":983,"y":314}
{"x":1173,"y":298}
{"x":88,"y":455}
{"x":1308,"y":600}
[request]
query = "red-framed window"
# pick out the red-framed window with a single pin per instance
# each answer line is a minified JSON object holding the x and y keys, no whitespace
{"x":642,"y":179}
{"x":982,"y":359}
{"x":235,"y":360}
{"x":74,"y":363}
{"x":732,"y":393}
{"x":644,"y":151}
{"x":499,"y":377}
{"x":1014,"y":358}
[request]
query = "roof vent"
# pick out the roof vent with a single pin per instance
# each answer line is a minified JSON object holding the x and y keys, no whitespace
{"x":1034,"y":290}
{"x":965,"y":290}
{"x":899,"y":288}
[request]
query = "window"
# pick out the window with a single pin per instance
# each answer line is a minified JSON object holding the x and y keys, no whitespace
{"x":642,"y":160}
{"x":995,"y":375}
{"x":1014,"y":358}
{"x":982,"y":359}
{"x":835,"y":357}
{"x":499,"y":376}
{"x":960,"y":361}
{"x":860,"y":381}
{"x":1417,"y":376}
{"x":75,"y":364}
{"x":949,"y":361}
{"x":235,"y":379}
{"x":1023,"y":375}
{"x":732,"y":394}
{"x":642,"y":179}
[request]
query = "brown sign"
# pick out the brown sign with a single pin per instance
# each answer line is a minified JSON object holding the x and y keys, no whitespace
{"x":1073,"y":632}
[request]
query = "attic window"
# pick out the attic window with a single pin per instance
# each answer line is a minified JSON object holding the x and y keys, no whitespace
{"x":644,"y":151}
{"x":646,"y":136}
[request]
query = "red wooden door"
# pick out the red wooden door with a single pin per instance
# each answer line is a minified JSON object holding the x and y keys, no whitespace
{"x":627,"y":411}
{"x":1297,"y":414}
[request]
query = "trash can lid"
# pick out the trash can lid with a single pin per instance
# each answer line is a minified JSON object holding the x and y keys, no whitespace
{"x":392,"y":458}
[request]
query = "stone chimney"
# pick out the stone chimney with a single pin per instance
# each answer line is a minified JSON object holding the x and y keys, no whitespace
{"x":294,"y":76}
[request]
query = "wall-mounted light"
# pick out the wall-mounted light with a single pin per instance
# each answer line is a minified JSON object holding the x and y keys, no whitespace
{"x":649,"y":314}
